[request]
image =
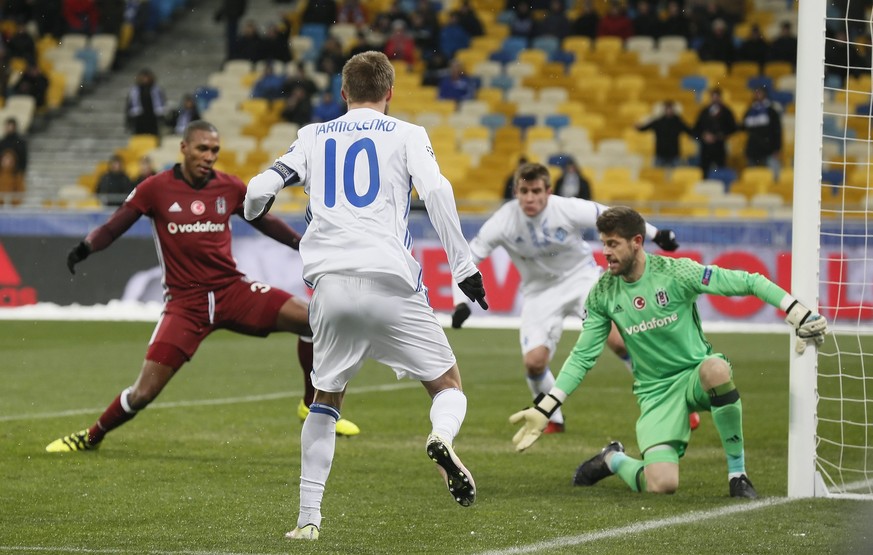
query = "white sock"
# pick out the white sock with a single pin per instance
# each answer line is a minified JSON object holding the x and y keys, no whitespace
{"x":317,"y":445}
{"x":447,"y":413}
{"x":543,"y":384}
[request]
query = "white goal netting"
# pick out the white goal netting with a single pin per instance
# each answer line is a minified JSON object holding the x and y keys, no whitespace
{"x":844,"y":388}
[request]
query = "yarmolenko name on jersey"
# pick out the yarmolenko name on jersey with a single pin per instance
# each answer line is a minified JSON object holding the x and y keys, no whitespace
{"x":196,"y":227}
{"x":651,"y":324}
{"x":341,"y":126}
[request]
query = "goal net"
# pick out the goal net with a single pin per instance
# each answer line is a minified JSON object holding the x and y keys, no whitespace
{"x":831,"y":409}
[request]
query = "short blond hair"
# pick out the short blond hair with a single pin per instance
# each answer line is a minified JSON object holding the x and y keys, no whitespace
{"x":367,"y":77}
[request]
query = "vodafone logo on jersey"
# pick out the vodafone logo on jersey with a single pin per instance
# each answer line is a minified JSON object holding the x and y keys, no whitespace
{"x":197,"y":227}
{"x":198,"y":208}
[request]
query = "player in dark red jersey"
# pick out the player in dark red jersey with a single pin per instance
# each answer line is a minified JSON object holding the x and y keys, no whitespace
{"x":190,"y":207}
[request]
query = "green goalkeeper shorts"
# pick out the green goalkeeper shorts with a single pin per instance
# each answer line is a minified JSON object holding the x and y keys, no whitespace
{"x":664,"y":413}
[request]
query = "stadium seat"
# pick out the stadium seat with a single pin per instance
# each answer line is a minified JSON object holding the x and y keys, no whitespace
{"x":555,"y":95}
{"x":557,"y":122}
{"x":640,"y":44}
{"x":502,"y":81}
{"x":672,"y":43}
{"x":546,"y":43}
{"x":493,"y":121}
{"x":725,"y":175}
{"x":579,"y":45}
{"x":520,"y":96}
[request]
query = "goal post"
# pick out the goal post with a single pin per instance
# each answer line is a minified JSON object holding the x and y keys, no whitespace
{"x":806,"y":241}
{"x":830,"y":430}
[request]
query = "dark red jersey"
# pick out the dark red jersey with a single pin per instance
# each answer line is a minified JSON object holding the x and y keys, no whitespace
{"x":191,"y":228}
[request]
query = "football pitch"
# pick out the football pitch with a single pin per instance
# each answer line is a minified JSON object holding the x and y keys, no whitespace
{"x":212,"y":466}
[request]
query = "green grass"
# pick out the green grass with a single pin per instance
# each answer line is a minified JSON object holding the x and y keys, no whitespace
{"x":222,"y":478}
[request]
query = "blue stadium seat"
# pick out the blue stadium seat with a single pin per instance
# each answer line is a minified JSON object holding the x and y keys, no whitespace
{"x":502,"y":82}
{"x":725,"y":175}
{"x":493,"y":121}
{"x":561,"y":56}
{"x":546,"y":43}
{"x":557,"y":121}
{"x":523,"y":121}
{"x":760,"y":82}
{"x":503,"y":56}
{"x":832,"y":177}
{"x":204,"y":97}
{"x":318,"y":33}
{"x":694,"y":83}
{"x":89,"y":57}
{"x":559,"y":160}
{"x":514,"y":44}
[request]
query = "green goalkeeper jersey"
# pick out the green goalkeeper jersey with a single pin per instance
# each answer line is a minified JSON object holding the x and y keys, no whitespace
{"x":658,"y":318}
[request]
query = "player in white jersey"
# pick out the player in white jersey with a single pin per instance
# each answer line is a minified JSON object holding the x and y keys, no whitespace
{"x":543,"y":235}
{"x":368,"y":300}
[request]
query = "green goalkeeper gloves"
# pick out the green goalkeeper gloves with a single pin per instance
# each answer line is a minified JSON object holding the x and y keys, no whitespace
{"x":535,"y":420}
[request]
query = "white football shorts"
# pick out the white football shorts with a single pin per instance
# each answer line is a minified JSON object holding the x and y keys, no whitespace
{"x":543,"y":312}
{"x":354,"y":318}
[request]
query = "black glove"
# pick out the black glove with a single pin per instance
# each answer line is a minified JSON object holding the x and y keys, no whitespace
{"x":473,"y":288}
{"x":460,"y":315}
{"x":666,"y":239}
{"x":78,"y":253}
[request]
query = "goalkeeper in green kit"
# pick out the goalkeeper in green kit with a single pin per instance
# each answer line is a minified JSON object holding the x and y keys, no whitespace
{"x":651,"y":299}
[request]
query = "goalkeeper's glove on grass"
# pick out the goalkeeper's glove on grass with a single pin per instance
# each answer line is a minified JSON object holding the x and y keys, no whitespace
{"x":460,"y":315}
{"x":473,"y":288}
{"x":809,"y":325}
{"x":666,"y":239}
{"x":77,"y":254}
{"x":534,"y":419}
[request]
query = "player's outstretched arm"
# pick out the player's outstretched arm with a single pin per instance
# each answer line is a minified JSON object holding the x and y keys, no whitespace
{"x":263,"y":188}
{"x":103,"y":236}
{"x":534,"y":419}
{"x":808,"y":324}
{"x":274,"y":228}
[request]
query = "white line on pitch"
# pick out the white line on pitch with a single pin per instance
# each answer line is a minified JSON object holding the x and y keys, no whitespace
{"x":690,"y":518}
{"x":208,"y":402}
{"x":109,"y":551}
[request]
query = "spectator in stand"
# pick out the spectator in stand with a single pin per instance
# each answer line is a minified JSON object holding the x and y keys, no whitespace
{"x":178,"y":119}
{"x":555,"y":23}
{"x":146,"y":104}
{"x":842,"y":58}
{"x":352,"y":11}
{"x":646,"y":21}
{"x":33,"y":82}
{"x":385,"y":20}
{"x":21,"y":45}
{"x":112,"y":14}
{"x":571,"y":182}
{"x":715,"y":123}
{"x":400,"y":45}
{"x":145,"y":169}
{"x":328,"y":108}
{"x":274,"y":44}
{"x":754,"y":48}
{"x":763,"y":126}
{"x":668,"y":127}
{"x":676,"y":23}
{"x":331,"y":58}
{"x":523,"y":24}
{"x":457,"y":85}
{"x":615,"y":23}
{"x":453,"y":36}
{"x":784,"y":47}
{"x":321,"y":12}
{"x":704,"y":14}
{"x":297,"y":107}
{"x":586,"y":23}
{"x":81,"y":16}
{"x":13,"y":162}
{"x":469,"y":19}
{"x":231,"y":11}
{"x":299,"y":79}
{"x":16,"y":143}
{"x":718,"y":46}
{"x":435,"y":68}
{"x":269,"y":85}
{"x":509,"y":186}
{"x":114,"y":185}
{"x":11,"y":180}
{"x":424,"y":34}
{"x":248,"y":44}
{"x":49,"y":17}
{"x":365,"y":42}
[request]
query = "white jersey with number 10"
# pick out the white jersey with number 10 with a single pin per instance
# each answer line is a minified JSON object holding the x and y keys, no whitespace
{"x":359,"y":171}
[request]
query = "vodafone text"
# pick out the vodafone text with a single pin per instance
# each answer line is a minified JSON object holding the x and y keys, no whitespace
{"x":197,"y":227}
{"x":651,"y":324}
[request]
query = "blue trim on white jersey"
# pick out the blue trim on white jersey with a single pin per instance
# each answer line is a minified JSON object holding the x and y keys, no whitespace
{"x":308,"y":216}
{"x":321,"y":408}
{"x":420,"y":284}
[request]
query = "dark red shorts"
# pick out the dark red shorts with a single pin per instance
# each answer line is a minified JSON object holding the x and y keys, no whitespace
{"x":247,"y":307}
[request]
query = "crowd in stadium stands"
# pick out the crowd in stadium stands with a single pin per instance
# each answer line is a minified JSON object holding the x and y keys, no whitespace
{"x":114,"y":185}
{"x":13,"y":162}
{"x":429,"y":43}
